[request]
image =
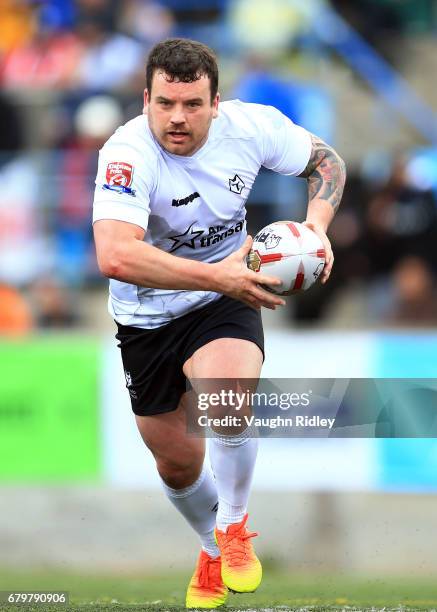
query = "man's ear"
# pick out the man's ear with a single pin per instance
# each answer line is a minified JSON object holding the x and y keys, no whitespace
{"x":216,"y":105}
{"x":146,"y":101}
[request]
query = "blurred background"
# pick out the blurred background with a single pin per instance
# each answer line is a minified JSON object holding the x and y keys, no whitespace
{"x":78,"y":492}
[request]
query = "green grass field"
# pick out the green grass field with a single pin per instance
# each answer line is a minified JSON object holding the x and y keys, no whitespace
{"x":278,"y":590}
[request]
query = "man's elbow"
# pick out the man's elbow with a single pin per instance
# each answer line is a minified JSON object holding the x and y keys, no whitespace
{"x":111,"y":265}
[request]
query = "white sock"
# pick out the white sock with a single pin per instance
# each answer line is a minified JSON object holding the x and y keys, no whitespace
{"x":198,"y":504}
{"x":233,"y":461}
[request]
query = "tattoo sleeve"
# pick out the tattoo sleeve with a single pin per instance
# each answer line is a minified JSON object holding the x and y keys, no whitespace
{"x":325,"y":173}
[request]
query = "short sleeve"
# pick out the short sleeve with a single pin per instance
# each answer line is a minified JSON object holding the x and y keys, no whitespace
{"x":286,"y":146}
{"x":123,"y":185}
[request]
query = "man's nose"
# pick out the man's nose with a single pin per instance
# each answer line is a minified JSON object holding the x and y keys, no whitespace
{"x":178,"y":115}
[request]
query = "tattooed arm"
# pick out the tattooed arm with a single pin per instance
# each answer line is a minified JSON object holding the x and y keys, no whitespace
{"x":326,"y":176}
{"x":325,"y":173}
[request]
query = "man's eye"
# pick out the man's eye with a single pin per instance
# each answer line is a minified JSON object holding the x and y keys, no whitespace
{"x":193,"y":104}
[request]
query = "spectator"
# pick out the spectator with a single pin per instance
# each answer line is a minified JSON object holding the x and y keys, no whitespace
{"x":18,"y":23}
{"x":11,"y":131}
{"x":104,"y":12}
{"x":415,"y":296}
{"x":57,"y":14}
{"x":401,"y":220}
{"x":94,"y":120}
{"x":48,"y":60}
{"x":25,"y":247}
{"x":147,"y":21}
{"x":270,"y":28}
{"x":53,"y":304}
{"x":15,"y":315}
{"x":110,"y":61}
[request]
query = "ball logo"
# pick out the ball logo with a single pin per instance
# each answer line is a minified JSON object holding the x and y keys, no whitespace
{"x":269,"y":239}
{"x":272,"y":241}
{"x":119,"y":173}
{"x":317,"y":271}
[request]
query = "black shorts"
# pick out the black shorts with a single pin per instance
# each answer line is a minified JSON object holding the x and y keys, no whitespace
{"x":153,"y":358}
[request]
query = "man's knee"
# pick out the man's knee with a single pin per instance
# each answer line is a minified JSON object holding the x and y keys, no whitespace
{"x":179,"y":458}
{"x":179,"y":473}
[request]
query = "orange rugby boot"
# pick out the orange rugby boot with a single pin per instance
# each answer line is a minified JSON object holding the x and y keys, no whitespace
{"x":206,"y":588}
{"x":241,"y":568}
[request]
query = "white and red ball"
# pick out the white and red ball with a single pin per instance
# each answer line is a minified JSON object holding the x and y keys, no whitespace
{"x":290,"y":251}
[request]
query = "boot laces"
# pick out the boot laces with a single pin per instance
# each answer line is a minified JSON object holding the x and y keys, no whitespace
{"x":209,"y":572}
{"x":236,"y":545}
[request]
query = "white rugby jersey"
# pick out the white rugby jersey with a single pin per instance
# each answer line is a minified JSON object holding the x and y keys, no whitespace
{"x":191,"y":207}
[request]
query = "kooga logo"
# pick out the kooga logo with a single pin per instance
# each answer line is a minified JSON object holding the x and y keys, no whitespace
{"x":185,"y":201}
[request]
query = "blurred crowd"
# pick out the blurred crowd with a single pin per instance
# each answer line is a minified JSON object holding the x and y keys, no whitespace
{"x":71,"y":71}
{"x":384,"y":238}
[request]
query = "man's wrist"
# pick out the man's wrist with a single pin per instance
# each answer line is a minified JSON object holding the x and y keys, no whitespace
{"x":208,"y":277}
{"x":213,"y":278}
{"x":316,"y":225}
{"x":319,"y":214}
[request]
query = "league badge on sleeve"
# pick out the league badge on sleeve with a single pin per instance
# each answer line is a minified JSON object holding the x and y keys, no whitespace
{"x":119,"y":173}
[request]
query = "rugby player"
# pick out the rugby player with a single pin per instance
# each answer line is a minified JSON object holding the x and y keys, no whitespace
{"x":170,"y":234}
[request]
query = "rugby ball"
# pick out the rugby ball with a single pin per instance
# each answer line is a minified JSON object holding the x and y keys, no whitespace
{"x":290,"y":251}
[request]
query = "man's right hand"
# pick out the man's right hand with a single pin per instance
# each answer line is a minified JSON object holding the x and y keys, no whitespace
{"x":232,"y":277}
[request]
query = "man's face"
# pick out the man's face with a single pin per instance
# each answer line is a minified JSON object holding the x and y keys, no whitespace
{"x":180,"y":114}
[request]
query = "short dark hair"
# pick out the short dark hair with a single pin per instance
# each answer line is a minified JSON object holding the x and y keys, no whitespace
{"x":183,"y":60}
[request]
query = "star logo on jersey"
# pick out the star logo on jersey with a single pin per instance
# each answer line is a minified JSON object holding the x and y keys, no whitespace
{"x":186,"y":239}
{"x":236,"y":185}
